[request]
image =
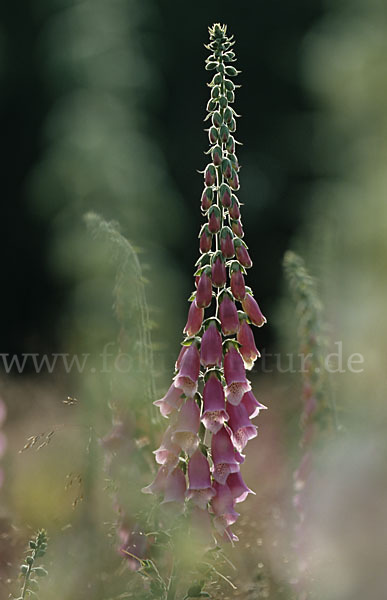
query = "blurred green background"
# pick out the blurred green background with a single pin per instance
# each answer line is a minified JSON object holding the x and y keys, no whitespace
{"x":102,"y":110}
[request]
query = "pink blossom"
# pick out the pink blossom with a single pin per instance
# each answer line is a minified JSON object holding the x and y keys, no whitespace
{"x":253,"y":311}
{"x":237,"y":282}
{"x":223,"y":456}
{"x":218,"y":272}
{"x":252,"y":405}
{"x":238,"y":488}
{"x":247,"y":348}
{"x":223,"y":506}
{"x":187,"y":427}
{"x":242,"y":428}
{"x":204,"y":290}
{"x":187,"y":377}
{"x":168,"y":452}
{"x":211,"y":351}
{"x":195,"y":319}
{"x":175,"y":487}
{"x":171,"y":401}
{"x":200,"y":489}
{"x":214,"y":414}
{"x":235,"y":375}
{"x":228,"y":315}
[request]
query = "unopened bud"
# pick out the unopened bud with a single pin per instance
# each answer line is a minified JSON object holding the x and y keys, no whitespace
{"x":205,"y":239}
{"x":207,"y":198}
{"x":230,"y":96}
{"x":223,"y":102}
{"x":225,"y":195}
{"x":234,"y":210}
{"x":232,"y":125}
{"x":226,"y":168}
{"x":214,"y":219}
{"x":227,"y":115}
{"x":215,"y":92}
{"x":231,"y":71}
{"x":226,"y":242}
{"x":224,"y":134}
{"x":230,"y":144}
{"x":217,"y":119}
{"x":213,"y":135}
{"x":237,"y":228}
{"x":242,"y":253}
{"x":211,"y":105}
{"x":218,"y":273}
{"x":210,"y":175}
{"x":234,"y":181}
{"x":216,"y":155}
{"x":229,"y":85}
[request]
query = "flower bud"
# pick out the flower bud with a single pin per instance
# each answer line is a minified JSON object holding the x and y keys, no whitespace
{"x":237,"y":228}
{"x":214,"y":219}
{"x":217,"y":119}
{"x":230,"y":145}
{"x":195,"y":319}
{"x":234,"y":161}
{"x":227,"y":115}
{"x":204,"y":290}
{"x":224,"y":134}
{"x":210,"y":175}
{"x":228,"y":315}
{"x":225,"y":195}
{"x":232,"y":125}
{"x":207,"y":198}
{"x":211,"y":352}
{"x":211,"y":65}
{"x":237,"y":282}
{"x":223,"y":102}
{"x":234,"y":210}
{"x":234,"y":180}
{"x":217,"y":79}
{"x":213,"y":135}
{"x":235,"y":375}
{"x":226,"y":242}
{"x":226,"y":168}
{"x":229,"y":85}
{"x":205,"y":239}
{"x":215,"y":92}
{"x":231,"y":71}
{"x":251,"y":308}
{"x":187,"y":377}
{"x":214,"y":414}
{"x":230,"y":96}
{"x":217,"y":155}
{"x":219,"y":276}
{"x":220,"y":68}
{"x":242,"y":253}
{"x":211,"y":106}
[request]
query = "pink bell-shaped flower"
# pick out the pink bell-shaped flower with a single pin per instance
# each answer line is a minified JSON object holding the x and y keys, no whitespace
{"x":242,"y":254}
{"x":187,"y":377}
{"x":228,"y":315}
{"x":158,"y":484}
{"x":252,"y":405}
{"x":242,"y":428}
{"x":171,"y":401}
{"x":175,"y":487}
{"x":223,"y":506}
{"x":226,"y":242}
{"x":205,"y":240}
{"x":238,"y":488}
{"x":186,"y":431}
{"x":204,"y":289}
{"x":211,"y":351}
{"x":223,"y":456}
{"x":253,"y":311}
{"x":195,"y":319}
{"x":237,"y":283}
{"x":235,"y":375}
{"x":168,"y":452}
{"x":218,"y":271}
{"x":247,"y":348}
{"x":200,"y":489}
{"x":214,"y":413}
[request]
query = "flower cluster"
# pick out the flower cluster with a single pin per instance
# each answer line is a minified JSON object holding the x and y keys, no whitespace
{"x":210,"y":404}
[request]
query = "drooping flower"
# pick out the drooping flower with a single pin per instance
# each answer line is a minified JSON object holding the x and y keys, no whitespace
{"x":205,"y":240}
{"x":175,"y":487}
{"x":204,"y":289}
{"x":228,"y":315}
{"x":211,"y":351}
{"x":223,"y":456}
{"x":252,"y":405}
{"x":251,"y":308}
{"x":223,"y":506}
{"x":218,"y":271}
{"x":207,"y":198}
{"x":214,"y":216}
{"x":195,"y":319}
{"x":186,"y":430}
{"x":168,"y":452}
{"x":171,"y":401}
{"x":158,"y":484}
{"x":242,"y":428}
{"x":237,"y":281}
{"x":247,"y":347}
{"x":238,"y":488}
{"x":242,"y":253}
{"x":237,"y":229}
{"x":187,"y":377}
{"x":234,"y":372}
{"x":226,"y":242}
{"x":214,"y":413}
{"x":200,"y":489}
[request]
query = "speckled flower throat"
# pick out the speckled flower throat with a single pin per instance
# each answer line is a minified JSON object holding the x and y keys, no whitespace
{"x":210,"y":405}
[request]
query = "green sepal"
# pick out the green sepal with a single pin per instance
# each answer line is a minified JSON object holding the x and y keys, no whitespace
{"x":242,"y":316}
{"x":234,"y":265}
{"x":191,"y":340}
{"x":216,"y":255}
{"x":23,"y":569}
{"x":204,"y":259}
{"x":217,"y":372}
{"x":225,"y":231}
{"x":226,"y":163}
{"x":205,"y":229}
{"x":238,"y":242}
{"x":231,"y":342}
{"x":214,"y":209}
{"x":40,"y":572}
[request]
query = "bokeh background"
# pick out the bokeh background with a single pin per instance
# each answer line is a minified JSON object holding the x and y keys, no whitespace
{"x":102,"y":110}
